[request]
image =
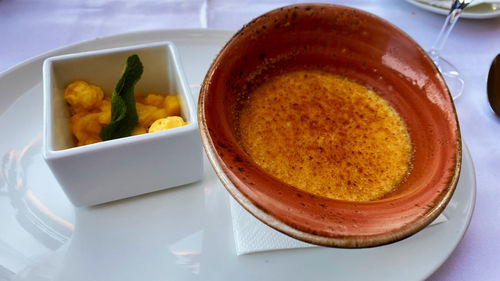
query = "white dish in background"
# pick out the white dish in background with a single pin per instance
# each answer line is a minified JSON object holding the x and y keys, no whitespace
{"x":480,"y":11}
{"x":181,"y":233}
{"x":125,"y":167}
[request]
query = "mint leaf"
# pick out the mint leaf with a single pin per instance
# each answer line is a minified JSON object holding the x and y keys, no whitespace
{"x":124,"y":117}
{"x":120,"y":108}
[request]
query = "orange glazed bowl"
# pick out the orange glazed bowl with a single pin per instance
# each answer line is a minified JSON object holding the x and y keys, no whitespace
{"x":363,"y":48}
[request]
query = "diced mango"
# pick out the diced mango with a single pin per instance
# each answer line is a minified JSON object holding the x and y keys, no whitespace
{"x":90,"y":111}
{"x":172,"y":105}
{"x":149,"y":113}
{"x":86,"y":126}
{"x":154,"y":99}
{"x":83,"y":96}
{"x":139,"y":131}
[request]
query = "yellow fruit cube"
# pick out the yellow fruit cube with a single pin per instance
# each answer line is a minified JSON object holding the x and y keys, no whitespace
{"x":172,"y":105}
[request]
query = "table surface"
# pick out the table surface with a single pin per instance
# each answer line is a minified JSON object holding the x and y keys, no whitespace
{"x":30,"y":28}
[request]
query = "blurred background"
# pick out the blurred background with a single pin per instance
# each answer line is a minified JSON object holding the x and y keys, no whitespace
{"x":30,"y":27}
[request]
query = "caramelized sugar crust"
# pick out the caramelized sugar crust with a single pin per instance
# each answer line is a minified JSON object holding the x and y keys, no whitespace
{"x":326,"y":135}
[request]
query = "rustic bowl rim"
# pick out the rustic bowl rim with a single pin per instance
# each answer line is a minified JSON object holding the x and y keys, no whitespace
{"x":343,"y":242}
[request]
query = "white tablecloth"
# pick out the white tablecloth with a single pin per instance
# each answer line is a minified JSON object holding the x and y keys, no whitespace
{"x":29,"y":28}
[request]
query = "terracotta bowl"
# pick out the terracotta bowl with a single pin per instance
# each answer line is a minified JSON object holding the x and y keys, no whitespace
{"x":370,"y":51}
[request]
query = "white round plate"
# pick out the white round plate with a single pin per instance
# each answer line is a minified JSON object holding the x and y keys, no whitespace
{"x":480,"y":11}
{"x":183,"y":233}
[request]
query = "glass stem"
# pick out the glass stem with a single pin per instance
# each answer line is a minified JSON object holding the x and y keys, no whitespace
{"x":448,"y":25}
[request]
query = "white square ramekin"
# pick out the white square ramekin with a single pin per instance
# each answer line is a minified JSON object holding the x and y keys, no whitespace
{"x":125,"y":167}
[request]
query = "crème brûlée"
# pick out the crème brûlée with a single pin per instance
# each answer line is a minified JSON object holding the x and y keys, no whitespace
{"x":90,"y":110}
{"x":326,"y":135}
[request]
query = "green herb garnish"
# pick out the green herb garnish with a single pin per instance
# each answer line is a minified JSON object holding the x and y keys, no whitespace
{"x":124,"y":117}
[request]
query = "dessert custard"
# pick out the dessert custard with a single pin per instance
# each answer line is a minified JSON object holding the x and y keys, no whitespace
{"x":326,"y":135}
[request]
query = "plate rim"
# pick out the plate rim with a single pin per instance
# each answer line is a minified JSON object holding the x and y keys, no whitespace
{"x":61,"y":50}
{"x":465,"y":14}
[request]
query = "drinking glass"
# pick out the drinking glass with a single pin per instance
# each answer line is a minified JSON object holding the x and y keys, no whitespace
{"x":450,"y":73}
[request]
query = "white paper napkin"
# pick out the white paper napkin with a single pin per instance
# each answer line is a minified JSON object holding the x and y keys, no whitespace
{"x":251,"y":235}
